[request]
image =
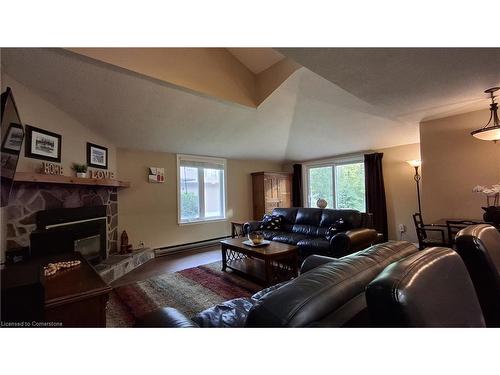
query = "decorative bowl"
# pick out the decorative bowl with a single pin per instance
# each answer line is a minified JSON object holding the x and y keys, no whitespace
{"x":256,"y":237}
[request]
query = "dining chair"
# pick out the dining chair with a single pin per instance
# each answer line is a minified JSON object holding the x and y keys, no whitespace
{"x":423,"y":231}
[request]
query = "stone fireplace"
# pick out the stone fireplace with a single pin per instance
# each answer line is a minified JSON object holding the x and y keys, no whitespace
{"x":28,"y":198}
{"x":80,"y":229}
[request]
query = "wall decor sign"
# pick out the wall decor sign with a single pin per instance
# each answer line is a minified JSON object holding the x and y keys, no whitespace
{"x":156,"y":175}
{"x":101,"y":174}
{"x":42,"y":144}
{"x":14,"y":139}
{"x":51,"y":168}
{"x":97,"y":156}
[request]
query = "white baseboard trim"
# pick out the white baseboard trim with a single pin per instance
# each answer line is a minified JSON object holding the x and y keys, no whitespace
{"x":188,"y":246}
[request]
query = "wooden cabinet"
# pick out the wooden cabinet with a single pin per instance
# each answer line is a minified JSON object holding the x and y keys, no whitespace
{"x":270,"y":190}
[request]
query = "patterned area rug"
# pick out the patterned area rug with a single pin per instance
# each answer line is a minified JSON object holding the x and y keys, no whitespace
{"x":190,"y":291}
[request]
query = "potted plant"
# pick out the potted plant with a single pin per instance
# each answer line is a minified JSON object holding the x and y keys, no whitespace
{"x":492,"y":209}
{"x":80,"y":169}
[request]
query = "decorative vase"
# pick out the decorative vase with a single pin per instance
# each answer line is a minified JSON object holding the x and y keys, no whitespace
{"x":81,"y":174}
{"x":321,"y":203}
{"x":492,"y":215}
{"x":256,"y":237}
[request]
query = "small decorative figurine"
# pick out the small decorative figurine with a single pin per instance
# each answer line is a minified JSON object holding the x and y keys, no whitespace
{"x":124,"y":246}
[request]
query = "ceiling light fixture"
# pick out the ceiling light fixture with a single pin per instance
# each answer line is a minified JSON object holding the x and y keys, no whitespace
{"x":490,"y":132}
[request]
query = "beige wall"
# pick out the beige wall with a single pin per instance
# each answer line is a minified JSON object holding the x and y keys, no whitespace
{"x":400,"y":189}
{"x":37,"y":112}
{"x":148,"y":212}
{"x":453,"y":163}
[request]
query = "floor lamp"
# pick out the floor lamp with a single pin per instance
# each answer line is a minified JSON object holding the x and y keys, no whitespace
{"x":416,"y":164}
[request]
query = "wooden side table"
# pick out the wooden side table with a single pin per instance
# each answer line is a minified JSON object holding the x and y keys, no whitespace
{"x":73,"y":297}
{"x":237,"y":228}
{"x":76,"y":297}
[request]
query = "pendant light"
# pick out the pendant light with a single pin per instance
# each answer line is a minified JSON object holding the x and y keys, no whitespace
{"x":490,"y":132}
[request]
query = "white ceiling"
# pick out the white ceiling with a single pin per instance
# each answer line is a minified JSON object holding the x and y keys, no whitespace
{"x":410,"y":84}
{"x":307,"y":117}
{"x":256,"y":59}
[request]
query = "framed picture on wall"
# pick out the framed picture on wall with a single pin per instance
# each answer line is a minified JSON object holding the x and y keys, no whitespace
{"x":13,"y":139}
{"x":42,"y":144}
{"x":97,"y":156}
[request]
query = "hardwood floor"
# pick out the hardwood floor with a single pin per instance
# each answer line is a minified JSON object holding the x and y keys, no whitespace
{"x":171,"y":263}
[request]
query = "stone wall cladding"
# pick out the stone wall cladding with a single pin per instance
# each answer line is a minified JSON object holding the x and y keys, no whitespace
{"x":27,"y":198}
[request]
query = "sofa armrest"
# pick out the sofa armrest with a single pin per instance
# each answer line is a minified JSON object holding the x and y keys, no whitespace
{"x":314,"y":261}
{"x":165,"y":317}
{"x":353,"y":240}
{"x":250,"y":226}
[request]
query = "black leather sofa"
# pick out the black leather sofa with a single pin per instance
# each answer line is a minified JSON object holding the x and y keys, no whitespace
{"x":328,"y":293}
{"x":430,"y":288}
{"x":306,"y":228}
{"x":479,"y":248}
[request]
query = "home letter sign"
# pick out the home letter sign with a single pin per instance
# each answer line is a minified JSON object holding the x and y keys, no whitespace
{"x":51,"y":168}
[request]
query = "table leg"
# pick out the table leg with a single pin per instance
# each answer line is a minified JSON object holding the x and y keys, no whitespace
{"x":224,"y":257}
{"x":268,"y":271}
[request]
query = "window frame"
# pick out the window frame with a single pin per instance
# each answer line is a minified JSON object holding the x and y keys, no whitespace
{"x":201,"y":189}
{"x":330,"y":162}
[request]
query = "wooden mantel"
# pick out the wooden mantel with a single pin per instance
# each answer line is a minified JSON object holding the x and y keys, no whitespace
{"x":58,"y":179}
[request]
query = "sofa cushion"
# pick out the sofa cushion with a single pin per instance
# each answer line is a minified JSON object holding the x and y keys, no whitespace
{"x":232,"y":313}
{"x":272,"y":222}
{"x":289,"y":238}
{"x":308,"y":216}
{"x":351,"y":218}
{"x":314,"y":244}
{"x":288,"y":215}
{"x":263,"y":292}
{"x":269,"y":234}
{"x":308,"y":230}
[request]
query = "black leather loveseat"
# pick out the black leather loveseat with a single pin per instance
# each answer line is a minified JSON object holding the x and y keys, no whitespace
{"x":307,"y":228}
{"x":328,"y":293}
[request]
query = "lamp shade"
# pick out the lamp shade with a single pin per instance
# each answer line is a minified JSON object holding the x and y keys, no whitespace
{"x":414,"y":163}
{"x":491,"y":133}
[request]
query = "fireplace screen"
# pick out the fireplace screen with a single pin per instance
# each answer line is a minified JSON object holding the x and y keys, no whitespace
{"x":89,"y":247}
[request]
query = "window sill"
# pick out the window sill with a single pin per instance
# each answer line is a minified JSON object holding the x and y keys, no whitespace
{"x":204,"y":221}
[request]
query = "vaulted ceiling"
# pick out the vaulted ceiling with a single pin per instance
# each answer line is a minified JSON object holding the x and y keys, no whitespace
{"x":340,"y":101}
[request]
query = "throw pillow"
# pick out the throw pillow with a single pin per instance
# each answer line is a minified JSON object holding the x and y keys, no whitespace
{"x":339,"y":226}
{"x":272,"y":222}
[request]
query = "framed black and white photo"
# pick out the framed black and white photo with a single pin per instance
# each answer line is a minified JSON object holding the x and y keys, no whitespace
{"x":97,"y":156}
{"x":42,"y":144}
{"x":13,"y":139}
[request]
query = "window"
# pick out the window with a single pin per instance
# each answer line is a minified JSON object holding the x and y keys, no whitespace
{"x":340,"y":182}
{"x":201,"y":189}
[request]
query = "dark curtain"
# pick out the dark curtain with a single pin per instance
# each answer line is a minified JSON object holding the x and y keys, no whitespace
{"x":297,"y":185}
{"x":375,"y":192}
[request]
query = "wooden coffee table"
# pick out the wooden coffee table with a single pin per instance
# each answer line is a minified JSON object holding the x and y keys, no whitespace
{"x":267,"y":265}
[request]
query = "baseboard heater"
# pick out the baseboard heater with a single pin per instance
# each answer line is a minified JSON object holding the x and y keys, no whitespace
{"x":169,"y":250}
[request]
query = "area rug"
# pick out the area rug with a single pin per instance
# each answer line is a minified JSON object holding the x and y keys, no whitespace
{"x":191,"y":291}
